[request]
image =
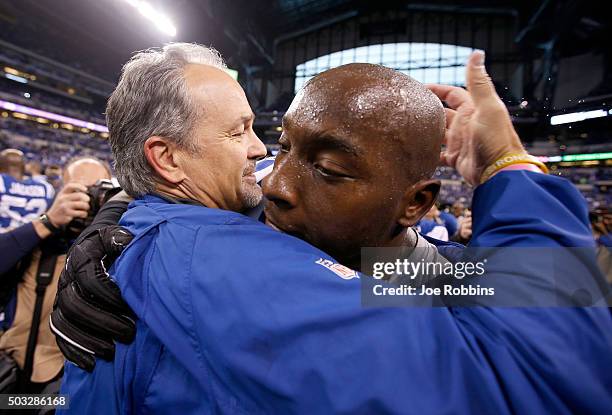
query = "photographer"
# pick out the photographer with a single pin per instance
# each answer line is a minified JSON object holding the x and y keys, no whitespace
{"x":72,"y":202}
{"x":33,"y":257}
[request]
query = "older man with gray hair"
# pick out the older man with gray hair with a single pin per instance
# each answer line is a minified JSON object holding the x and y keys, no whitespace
{"x":182,"y":128}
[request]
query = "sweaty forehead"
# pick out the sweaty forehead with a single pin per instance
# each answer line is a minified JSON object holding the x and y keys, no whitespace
{"x":374,"y":106}
{"x":373,"y":97}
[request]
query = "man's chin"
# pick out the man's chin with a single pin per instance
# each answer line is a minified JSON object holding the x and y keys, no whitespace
{"x":251,"y":195}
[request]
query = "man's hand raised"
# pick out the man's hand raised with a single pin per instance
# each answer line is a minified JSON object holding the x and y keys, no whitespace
{"x":71,"y":202}
{"x":478,"y":127}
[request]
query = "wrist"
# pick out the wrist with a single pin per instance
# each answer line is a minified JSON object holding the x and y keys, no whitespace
{"x":520,"y":166}
{"x":48,"y":223}
{"x":513,"y":146}
{"x":40,"y":229}
{"x":51,"y":219}
{"x":522,"y":159}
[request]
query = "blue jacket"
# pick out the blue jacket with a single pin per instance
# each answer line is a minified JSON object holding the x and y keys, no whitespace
{"x":237,"y":318}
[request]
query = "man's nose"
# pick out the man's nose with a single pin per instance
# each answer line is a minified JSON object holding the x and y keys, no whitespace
{"x":257,"y":149}
{"x":279,"y":187}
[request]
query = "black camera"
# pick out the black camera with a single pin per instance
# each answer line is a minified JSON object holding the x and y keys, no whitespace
{"x":98,"y":194}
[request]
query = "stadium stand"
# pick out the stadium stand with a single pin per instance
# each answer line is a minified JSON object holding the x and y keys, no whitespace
{"x":50,"y":144}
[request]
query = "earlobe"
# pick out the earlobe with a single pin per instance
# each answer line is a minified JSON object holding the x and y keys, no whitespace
{"x":162,"y":156}
{"x":418,"y":200}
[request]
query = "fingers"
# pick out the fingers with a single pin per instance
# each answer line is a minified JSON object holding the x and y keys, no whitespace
{"x":73,"y":187}
{"x":99,"y":289}
{"x":479,"y":85}
{"x":85,"y":267}
{"x":70,"y":203}
{"x":80,"y":313}
{"x":85,"y":343}
{"x":454,"y":96}
{"x":78,"y":206}
{"x":114,"y":239}
{"x":74,"y":213}
{"x":74,"y":201}
{"x":478,"y":82}
{"x":76,"y":197}
{"x":441,"y":91}
{"x":450,"y":116}
{"x":81,"y":358}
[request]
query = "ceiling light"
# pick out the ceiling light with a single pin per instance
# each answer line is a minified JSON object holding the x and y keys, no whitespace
{"x":161,"y":21}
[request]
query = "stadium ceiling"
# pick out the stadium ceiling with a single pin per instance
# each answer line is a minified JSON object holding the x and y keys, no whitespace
{"x":101,"y":35}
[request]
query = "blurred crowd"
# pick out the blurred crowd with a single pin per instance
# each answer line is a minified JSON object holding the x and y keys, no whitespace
{"x":448,"y":222}
{"x":586,"y":179}
{"x":48,"y":145}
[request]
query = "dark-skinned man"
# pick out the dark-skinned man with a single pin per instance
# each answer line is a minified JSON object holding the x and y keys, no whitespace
{"x":275,"y":326}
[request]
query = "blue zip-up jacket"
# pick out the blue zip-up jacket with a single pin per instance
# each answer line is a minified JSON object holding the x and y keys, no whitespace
{"x":236,"y":318}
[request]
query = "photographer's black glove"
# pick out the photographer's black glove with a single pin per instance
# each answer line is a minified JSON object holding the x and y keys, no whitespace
{"x":89,"y":313}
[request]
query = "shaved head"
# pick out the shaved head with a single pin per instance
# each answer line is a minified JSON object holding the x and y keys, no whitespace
{"x":86,"y":170}
{"x":391,"y":106}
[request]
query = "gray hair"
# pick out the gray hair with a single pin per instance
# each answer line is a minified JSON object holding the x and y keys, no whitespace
{"x":152,"y":99}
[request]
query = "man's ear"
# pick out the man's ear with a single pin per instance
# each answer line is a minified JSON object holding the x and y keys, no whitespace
{"x":162,"y":156}
{"x":418,"y":200}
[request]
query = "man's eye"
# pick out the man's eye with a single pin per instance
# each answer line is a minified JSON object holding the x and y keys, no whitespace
{"x":329,"y":173}
{"x":284,"y":147}
{"x":238,"y":133}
